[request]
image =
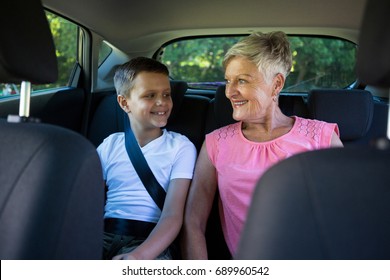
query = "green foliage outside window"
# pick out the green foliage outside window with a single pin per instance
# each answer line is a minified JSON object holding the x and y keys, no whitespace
{"x":321,"y":63}
{"x":65,"y":35}
{"x":197,"y":60}
{"x":318,"y":62}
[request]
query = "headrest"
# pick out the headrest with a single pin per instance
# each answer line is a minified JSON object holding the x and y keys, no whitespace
{"x":27,"y":50}
{"x":373,"y":59}
{"x":334,"y":106}
{"x":178,"y":90}
{"x":223,"y":110}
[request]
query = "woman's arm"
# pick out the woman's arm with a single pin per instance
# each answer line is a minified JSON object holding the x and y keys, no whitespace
{"x":168,"y":226}
{"x":198,"y":207}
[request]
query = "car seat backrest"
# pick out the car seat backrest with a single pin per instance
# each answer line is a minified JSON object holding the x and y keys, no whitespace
{"x":223,"y":110}
{"x":334,"y":106}
{"x":325,"y":204}
{"x":52,"y":189}
{"x":190,"y":119}
{"x":52,"y":194}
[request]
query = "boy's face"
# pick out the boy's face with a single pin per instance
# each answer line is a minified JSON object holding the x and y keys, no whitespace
{"x":150,"y":103}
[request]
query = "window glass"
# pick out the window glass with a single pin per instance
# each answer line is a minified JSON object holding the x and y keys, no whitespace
{"x":65,"y":34}
{"x":198,"y":61}
{"x":318,"y":62}
{"x":104,"y":51}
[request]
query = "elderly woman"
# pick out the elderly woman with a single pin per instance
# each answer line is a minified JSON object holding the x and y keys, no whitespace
{"x":235,"y":156}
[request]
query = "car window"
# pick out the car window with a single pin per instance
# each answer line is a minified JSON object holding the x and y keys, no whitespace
{"x":65,"y":34}
{"x":104,"y":51}
{"x":318,"y":62}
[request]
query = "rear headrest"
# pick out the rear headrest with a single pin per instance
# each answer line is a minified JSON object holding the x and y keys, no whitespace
{"x":178,"y":90}
{"x":27,"y":50}
{"x":373,"y":60}
{"x":334,"y":106}
{"x":223,"y":110}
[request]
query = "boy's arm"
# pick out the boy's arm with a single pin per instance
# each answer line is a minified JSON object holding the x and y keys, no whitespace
{"x":198,"y":207}
{"x":168,"y":226}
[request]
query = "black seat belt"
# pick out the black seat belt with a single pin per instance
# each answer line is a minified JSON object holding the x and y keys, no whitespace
{"x":141,"y":166}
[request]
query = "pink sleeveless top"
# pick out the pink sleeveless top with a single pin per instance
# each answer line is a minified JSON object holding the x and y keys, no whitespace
{"x":240,"y":163}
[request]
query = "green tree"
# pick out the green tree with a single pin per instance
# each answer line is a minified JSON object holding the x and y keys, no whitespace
{"x":321,"y":63}
{"x":198,"y":60}
{"x":318,"y":62}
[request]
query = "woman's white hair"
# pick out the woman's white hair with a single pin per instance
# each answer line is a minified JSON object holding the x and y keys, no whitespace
{"x":269,"y":51}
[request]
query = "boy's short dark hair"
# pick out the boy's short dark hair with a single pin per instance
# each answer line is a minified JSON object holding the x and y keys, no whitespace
{"x":127,"y":72}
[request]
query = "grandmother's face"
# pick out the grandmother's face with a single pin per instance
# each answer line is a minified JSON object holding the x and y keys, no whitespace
{"x":248,"y":91}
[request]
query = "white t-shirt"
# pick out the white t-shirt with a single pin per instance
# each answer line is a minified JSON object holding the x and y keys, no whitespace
{"x":170,"y":156}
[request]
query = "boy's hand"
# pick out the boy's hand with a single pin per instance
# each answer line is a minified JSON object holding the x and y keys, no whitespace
{"x":128,"y":256}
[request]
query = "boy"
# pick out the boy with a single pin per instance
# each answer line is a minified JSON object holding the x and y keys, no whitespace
{"x":135,"y":227}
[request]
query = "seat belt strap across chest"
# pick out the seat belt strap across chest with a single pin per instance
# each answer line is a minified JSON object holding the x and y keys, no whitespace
{"x":141,"y":166}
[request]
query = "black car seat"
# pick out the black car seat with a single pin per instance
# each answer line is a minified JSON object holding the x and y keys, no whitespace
{"x":52,"y":190}
{"x":333,"y":203}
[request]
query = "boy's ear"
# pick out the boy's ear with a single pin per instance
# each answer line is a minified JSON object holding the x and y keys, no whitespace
{"x":123,"y":103}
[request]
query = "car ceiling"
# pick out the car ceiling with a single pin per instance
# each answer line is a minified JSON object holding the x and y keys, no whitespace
{"x":136,"y":26}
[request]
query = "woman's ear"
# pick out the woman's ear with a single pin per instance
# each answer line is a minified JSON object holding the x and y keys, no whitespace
{"x":278,"y":82}
{"x":123,"y":103}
